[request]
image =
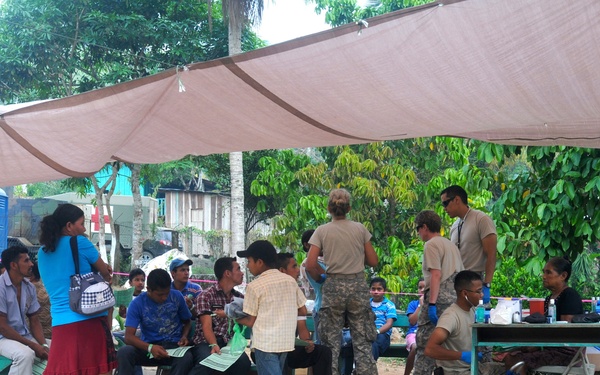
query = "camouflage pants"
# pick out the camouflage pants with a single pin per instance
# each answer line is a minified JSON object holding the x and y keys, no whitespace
{"x":347,"y":297}
{"x":424,"y":365}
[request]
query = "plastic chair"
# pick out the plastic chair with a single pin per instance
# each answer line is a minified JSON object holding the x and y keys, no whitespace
{"x":580,"y":358}
{"x":123,"y":297}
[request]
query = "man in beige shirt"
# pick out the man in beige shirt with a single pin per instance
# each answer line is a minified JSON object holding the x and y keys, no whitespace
{"x":273,"y":302}
{"x":474,"y":233}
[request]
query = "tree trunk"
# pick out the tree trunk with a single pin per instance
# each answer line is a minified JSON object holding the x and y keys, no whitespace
{"x":236,"y":168}
{"x":137,"y":240}
{"x":99,"y":192}
{"x":114,"y":241}
{"x":101,"y":224}
{"x":116,"y":281}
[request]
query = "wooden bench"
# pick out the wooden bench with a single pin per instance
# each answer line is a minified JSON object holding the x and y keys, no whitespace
{"x":5,"y":363}
{"x":396,"y":350}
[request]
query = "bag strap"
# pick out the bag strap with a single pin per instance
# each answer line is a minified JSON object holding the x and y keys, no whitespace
{"x":75,"y":252}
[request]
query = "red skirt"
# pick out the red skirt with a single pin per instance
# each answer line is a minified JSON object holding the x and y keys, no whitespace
{"x":81,"y":348}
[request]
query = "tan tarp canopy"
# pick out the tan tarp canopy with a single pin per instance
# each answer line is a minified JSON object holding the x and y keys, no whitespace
{"x":506,"y":71}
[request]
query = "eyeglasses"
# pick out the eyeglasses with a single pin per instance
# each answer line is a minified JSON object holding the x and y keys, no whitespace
{"x":447,"y":202}
{"x":419,"y":227}
{"x":478,"y":291}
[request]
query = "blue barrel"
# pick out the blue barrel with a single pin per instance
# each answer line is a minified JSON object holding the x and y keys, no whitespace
{"x":3,"y":220}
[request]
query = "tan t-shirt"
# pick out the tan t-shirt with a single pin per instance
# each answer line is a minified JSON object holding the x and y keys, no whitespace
{"x":477,"y":225}
{"x":343,"y":244}
{"x":440,"y":254}
{"x":458,"y":324}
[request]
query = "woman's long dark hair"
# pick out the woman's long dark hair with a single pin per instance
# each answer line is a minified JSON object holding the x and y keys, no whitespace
{"x":52,"y":225}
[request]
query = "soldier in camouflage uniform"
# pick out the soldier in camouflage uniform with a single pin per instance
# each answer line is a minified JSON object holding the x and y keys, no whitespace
{"x":346,"y":247}
{"x":349,"y":294}
{"x":441,"y":263}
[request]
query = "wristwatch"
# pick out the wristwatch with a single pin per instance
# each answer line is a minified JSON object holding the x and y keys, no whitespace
{"x":487,"y":285}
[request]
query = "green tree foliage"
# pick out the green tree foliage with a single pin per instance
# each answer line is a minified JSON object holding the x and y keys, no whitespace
{"x":390,"y":183}
{"x":51,"y":49}
{"x":382,"y":185}
{"x":511,"y":280}
{"x":543,"y":200}
{"x":297,"y":206}
{"x":341,"y":12}
{"x":551,"y":206}
{"x":41,"y":189}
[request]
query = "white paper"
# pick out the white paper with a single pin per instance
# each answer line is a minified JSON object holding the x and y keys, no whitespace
{"x":175,"y":352}
{"x":221,"y":362}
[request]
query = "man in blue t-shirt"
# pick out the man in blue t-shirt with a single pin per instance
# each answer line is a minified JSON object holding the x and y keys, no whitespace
{"x":164,"y":321}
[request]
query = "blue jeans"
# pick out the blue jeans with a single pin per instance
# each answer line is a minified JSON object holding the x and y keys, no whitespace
{"x":380,"y":345}
{"x":346,"y":363}
{"x":269,"y":363}
{"x":315,"y":315}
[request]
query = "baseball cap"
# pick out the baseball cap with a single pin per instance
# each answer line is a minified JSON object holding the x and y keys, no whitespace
{"x":178,"y":262}
{"x":260,"y":250}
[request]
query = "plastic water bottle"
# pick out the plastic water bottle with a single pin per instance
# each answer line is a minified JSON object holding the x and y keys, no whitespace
{"x":480,"y":312}
{"x":552,"y":312}
{"x":598,"y":305}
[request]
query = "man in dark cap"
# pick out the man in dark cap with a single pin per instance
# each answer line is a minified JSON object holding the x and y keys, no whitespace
{"x":273,"y":302}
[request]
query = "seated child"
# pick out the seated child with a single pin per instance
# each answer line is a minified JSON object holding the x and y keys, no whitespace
{"x":385,"y":315}
{"x":414,"y":307}
{"x":137,"y":279}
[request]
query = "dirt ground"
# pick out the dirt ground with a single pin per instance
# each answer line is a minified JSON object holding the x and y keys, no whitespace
{"x":384,"y":366}
{"x":390,"y":365}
